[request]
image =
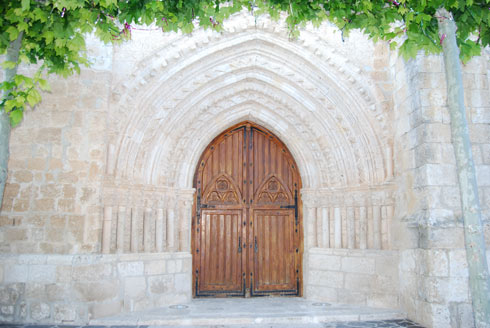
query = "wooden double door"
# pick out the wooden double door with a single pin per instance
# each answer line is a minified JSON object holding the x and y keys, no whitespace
{"x":247,"y":222}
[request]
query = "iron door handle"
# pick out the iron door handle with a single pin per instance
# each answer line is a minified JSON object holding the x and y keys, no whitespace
{"x":239,"y":244}
{"x":256,"y":247}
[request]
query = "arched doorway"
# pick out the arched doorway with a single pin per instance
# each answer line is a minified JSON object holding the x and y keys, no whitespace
{"x":247,"y":219}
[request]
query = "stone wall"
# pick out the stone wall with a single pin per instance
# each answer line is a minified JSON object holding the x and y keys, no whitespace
{"x":76,"y":288}
{"x":363,"y":277}
{"x":428,"y":228}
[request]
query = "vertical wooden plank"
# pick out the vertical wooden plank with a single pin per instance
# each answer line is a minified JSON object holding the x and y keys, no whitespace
{"x":274,"y":252}
{"x":212,"y":248}
{"x":206,"y":275}
{"x":281,"y":228}
{"x":228,"y":257}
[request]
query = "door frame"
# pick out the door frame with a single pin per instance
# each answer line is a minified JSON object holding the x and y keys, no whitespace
{"x":249,"y":258}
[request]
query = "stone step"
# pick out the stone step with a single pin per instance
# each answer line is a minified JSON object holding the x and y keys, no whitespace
{"x":267,"y":311}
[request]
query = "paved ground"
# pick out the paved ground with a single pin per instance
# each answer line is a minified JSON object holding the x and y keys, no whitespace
{"x":355,"y":324}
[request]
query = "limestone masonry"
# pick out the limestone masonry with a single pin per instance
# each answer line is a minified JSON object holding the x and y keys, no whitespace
{"x":97,"y":211}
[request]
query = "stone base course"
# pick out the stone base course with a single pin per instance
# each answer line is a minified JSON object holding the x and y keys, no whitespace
{"x":76,"y":288}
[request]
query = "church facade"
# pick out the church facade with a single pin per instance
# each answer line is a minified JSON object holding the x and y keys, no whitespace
{"x":331,"y":155}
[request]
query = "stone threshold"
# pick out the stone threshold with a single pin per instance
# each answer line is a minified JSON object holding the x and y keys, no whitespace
{"x":239,"y":311}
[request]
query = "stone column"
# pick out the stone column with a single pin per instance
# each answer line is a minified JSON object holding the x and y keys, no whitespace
{"x":338,"y":228}
{"x":160,"y":230}
{"x":309,"y":219}
{"x":170,"y":229}
{"x":147,"y":246}
{"x":106,"y":230}
{"x":362,"y":228}
{"x":186,"y":200}
{"x":121,"y":222}
{"x":134,"y":230}
{"x":326,"y":228}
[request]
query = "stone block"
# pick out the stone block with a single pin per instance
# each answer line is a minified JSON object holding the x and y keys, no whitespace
{"x":22,"y":176}
{"x":479,"y":133}
{"x":92,"y":272}
{"x":7,"y":310}
{"x":485,"y":150}
{"x":440,"y":315}
{"x":16,"y":273}
{"x":387,"y":265}
{"x":440,"y":174}
{"x":127,"y":269}
{"x":386,"y":284}
{"x":351,"y":297}
{"x":383,"y":300}
{"x":134,"y":288}
{"x":332,"y":279}
{"x":155,"y":267}
{"x":461,"y":315}
{"x":359,"y":282}
{"x":98,"y":310}
{"x":483,"y":175}
{"x":42,"y":273}
{"x":171,"y":266}
{"x":63,"y":273}
{"x":11,"y":293}
{"x":96,"y":291}
{"x":324,"y":262}
{"x":40,"y":311}
{"x":183,"y":283}
{"x":428,"y":153}
{"x":458,"y":265}
{"x":64,"y":313}
{"x":45,"y":204}
{"x":161,"y":284}
{"x":58,"y":292}
{"x":437,"y":262}
{"x":363,"y":265}
{"x":35,"y":290}
{"x":322,"y":294}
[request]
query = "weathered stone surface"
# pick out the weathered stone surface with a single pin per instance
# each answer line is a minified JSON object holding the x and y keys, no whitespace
{"x":358,"y":264}
{"x":161,"y":284}
{"x":135,"y":287}
{"x":96,"y":291}
{"x":155,"y":267}
{"x":40,"y":311}
{"x":105,"y":309}
{"x":126,"y":269}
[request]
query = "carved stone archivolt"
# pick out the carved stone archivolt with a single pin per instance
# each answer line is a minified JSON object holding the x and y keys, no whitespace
{"x":315,"y":98}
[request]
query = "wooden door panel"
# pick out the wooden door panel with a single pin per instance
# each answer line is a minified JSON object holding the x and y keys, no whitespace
{"x":221,"y":252}
{"x":247,"y":191}
{"x":275,"y":252}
